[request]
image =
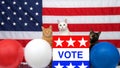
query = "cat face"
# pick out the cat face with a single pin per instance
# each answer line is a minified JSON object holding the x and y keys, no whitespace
{"x":62,"y":26}
{"x":94,"y":36}
{"x":47,"y":31}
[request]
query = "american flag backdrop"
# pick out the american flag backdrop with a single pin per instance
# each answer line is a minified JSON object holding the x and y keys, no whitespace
{"x":82,"y":15}
{"x":22,"y":19}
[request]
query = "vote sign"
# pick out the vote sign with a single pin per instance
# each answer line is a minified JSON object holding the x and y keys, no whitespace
{"x":70,"y":52}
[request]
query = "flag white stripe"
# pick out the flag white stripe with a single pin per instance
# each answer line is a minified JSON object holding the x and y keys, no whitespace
{"x":35,"y":35}
{"x":80,"y":3}
{"x":83,"y":19}
{"x":20,"y":35}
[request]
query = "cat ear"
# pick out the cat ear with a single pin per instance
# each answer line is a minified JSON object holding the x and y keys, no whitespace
{"x":50,"y":26}
{"x":99,"y":32}
{"x":65,"y":20}
{"x":42,"y":28}
{"x":91,"y":31}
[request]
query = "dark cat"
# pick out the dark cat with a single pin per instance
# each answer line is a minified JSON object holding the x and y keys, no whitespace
{"x":94,"y":36}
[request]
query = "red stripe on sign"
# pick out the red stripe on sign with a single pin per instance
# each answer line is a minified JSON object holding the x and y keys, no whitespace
{"x":87,"y":27}
{"x":82,"y":11}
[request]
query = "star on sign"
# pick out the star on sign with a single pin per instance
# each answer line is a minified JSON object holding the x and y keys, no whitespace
{"x":83,"y":42}
{"x":59,"y":66}
{"x":82,"y":66}
{"x":70,"y":66}
{"x":70,"y":42}
{"x":59,"y":42}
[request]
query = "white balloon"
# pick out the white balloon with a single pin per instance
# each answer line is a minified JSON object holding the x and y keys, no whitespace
{"x":38,"y":53}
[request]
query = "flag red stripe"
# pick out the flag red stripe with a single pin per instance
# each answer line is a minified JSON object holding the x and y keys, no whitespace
{"x":82,"y":11}
{"x":87,"y":27}
{"x":114,"y":42}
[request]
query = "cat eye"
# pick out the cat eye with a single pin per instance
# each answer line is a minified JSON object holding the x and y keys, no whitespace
{"x":64,"y":24}
{"x":60,"y":25}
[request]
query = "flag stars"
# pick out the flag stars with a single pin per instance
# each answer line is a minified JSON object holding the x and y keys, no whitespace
{"x":82,"y":66}
{"x":3,"y":12}
{"x":14,"y":2}
{"x":70,"y":42}
{"x":59,"y":42}
{"x":31,"y":19}
{"x":14,"y":23}
{"x":36,"y":3}
{"x":20,"y":8}
{"x":2,"y":23}
{"x":8,"y":18}
{"x":25,"y":3}
{"x":25,"y":24}
{"x":2,"y":2}
{"x":14,"y":13}
{"x":8,"y":7}
{"x":31,"y":8}
{"x":37,"y":24}
{"x":83,"y":42}
{"x":36,"y":14}
{"x":25,"y":13}
{"x":20,"y":18}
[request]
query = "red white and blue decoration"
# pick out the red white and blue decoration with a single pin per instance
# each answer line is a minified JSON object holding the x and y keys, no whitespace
{"x":70,"y":52}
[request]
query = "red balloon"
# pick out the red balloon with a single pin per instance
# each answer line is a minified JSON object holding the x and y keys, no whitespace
{"x":11,"y":53}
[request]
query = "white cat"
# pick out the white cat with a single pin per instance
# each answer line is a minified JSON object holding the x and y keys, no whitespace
{"x":63,"y":28}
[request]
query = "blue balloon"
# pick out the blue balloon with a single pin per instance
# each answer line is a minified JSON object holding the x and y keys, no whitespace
{"x":104,"y":55}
